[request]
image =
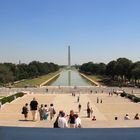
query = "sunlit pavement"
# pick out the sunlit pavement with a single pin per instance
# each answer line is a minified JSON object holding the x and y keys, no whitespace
{"x":10,"y":114}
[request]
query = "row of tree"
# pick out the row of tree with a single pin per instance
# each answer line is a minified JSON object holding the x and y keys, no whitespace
{"x":122,"y":70}
{"x":10,"y":72}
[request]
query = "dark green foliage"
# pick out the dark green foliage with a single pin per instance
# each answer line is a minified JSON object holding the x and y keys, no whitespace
{"x":136,"y":70}
{"x":121,"y":72}
{"x":10,"y":72}
{"x":11,"y":98}
{"x":5,"y":74}
{"x":93,"y":68}
{"x":123,"y":94}
{"x":136,"y":99}
{"x":131,"y":97}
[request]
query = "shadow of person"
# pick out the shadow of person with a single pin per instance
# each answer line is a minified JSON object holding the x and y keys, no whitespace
{"x":25,"y":120}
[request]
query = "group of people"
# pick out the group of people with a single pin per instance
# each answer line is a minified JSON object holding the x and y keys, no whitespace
{"x":43,"y":110}
{"x":127,"y":117}
{"x":33,"y":108}
{"x":90,"y":112}
{"x":99,"y":100}
{"x":62,"y":121}
{"x":67,"y":121}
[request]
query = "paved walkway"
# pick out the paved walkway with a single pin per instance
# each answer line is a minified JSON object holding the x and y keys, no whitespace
{"x":10,"y":115}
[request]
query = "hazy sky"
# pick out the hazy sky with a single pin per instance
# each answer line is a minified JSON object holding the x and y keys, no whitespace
{"x":96,"y":30}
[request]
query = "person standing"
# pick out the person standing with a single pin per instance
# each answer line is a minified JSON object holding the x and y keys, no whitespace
{"x":62,"y":122}
{"x":33,"y":107}
{"x":91,"y":111}
{"x":88,"y":112}
{"x":97,"y":100}
{"x":47,"y":90}
{"x":72,"y":119}
{"x":79,"y":107}
{"x":55,"y":125}
{"x":46,"y":112}
{"x":52,"y":111}
{"x":78,"y":99}
{"x":77,"y":121}
{"x":25,"y":111}
{"x":101,"y":101}
{"x":41,"y":112}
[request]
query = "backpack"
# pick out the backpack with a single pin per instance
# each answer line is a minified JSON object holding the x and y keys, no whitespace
{"x":55,"y":125}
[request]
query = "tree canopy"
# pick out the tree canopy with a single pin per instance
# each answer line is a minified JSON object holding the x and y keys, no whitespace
{"x":11,"y":72}
{"x":122,"y":69}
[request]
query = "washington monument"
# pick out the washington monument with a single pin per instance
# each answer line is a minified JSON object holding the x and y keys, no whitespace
{"x":69,"y":57}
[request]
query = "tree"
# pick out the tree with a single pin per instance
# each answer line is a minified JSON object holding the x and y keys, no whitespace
{"x":101,"y":69}
{"x":5,"y":75}
{"x":12,"y":72}
{"x":135,"y":72}
{"x":111,"y":69}
{"x":123,"y":68}
{"x":22,"y":71}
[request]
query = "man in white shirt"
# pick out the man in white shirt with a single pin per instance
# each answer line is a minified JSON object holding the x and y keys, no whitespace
{"x":62,"y":122}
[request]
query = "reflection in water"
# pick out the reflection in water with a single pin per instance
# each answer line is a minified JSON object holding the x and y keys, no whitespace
{"x":70,"y":78}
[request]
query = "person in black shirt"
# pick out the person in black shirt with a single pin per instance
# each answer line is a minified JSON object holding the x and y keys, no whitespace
{"x":79,"y":107}
{"x":72,"y":119}
{"x":25,"y":111}
{"x":34,"y":107}
{"x":88,"y":112}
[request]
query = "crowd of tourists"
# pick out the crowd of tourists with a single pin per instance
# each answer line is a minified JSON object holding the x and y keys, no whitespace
{"x":67,"y":121}
{"x":44,"y":111}
{"x":62,"y":121}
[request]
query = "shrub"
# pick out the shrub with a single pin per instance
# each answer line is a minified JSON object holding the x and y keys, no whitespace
{"x":11,"y":98}
{"x":131,"y":97}
{"x":3,"y":100}
{"x":136,"y":99}
{"x":123,"y":94}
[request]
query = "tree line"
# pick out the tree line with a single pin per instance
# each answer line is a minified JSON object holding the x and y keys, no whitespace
{"x":10,"y":72}
{"x":121,"y":70}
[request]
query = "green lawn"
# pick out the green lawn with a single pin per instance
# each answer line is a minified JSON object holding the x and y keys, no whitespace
{"x":96,"y":78}
{"x":35,"y":81}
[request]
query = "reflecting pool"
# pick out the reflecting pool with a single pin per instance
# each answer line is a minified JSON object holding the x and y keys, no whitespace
{"x":70,"y":78}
